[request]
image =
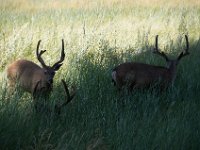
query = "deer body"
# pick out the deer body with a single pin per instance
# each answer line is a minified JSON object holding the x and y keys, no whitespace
{"x":139,"y":75}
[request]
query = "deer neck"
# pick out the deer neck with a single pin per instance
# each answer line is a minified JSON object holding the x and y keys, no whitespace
{"x":172,"y":72}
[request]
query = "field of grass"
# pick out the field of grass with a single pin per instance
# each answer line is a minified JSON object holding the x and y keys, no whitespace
{"x":98,"y":36}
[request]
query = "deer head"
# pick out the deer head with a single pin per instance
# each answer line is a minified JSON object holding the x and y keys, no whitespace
{"x":49,"y":71}
{"x":171,"y":63}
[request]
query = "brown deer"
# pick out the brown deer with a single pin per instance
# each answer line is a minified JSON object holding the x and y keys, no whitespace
{"x":27,"y":74}
{"x":134,"y":75}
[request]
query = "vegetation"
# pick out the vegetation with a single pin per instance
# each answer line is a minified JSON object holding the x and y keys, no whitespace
{"x":100,"y":35}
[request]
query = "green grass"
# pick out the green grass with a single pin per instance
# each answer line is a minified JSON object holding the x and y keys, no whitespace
{"x":98,"y":37}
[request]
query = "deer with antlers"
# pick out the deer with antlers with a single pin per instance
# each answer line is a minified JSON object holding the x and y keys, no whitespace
{"x":133,"y":75}
{"x":27,"y":74}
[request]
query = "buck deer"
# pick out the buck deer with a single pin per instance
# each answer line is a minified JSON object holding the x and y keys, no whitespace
{"x":27,"y":74}
{"x":134,"y":75}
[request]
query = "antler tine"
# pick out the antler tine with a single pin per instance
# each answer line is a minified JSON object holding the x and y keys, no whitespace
{"x":69,"y":98}
{"x":156,"y":43}
{"x":187,"y":44}
{"x":182,"y":54}
{"x":66,"y":89}
{"x":156,"y":50}
{"x":62,"y":57}
{"x":39,"y":54}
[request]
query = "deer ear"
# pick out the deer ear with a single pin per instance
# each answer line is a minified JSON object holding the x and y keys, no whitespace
{"x":57,"y":67}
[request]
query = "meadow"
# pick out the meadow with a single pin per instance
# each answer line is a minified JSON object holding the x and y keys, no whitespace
{"x":98,"y":36}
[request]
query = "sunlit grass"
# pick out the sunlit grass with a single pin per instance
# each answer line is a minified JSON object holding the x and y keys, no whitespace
{"x":35,"y":5}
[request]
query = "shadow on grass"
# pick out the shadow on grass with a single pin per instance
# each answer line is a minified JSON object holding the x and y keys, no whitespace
{"x":142,"y":120}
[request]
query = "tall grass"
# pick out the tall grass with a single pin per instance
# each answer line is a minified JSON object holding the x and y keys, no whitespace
{"x":99,"y":35}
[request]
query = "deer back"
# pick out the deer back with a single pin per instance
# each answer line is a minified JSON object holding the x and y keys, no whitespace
{"x":139,"y":74}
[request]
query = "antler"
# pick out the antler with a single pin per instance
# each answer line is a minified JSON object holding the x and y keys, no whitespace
{"x":156,"y":50}
{"x":62,"y":57}
{"x":182,"y":54}
{"x":39,"y":55}
{"x":69,"y":97}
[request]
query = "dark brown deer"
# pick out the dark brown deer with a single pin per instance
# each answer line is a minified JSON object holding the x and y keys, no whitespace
{"x":27,"y":74}
{"x":132,"y":75}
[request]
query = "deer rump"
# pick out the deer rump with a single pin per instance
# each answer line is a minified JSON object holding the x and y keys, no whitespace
{"x":139,"y":75}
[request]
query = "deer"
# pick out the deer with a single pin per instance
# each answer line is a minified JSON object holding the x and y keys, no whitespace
{"x":136,"y":75}
{"x":31,"y":77}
